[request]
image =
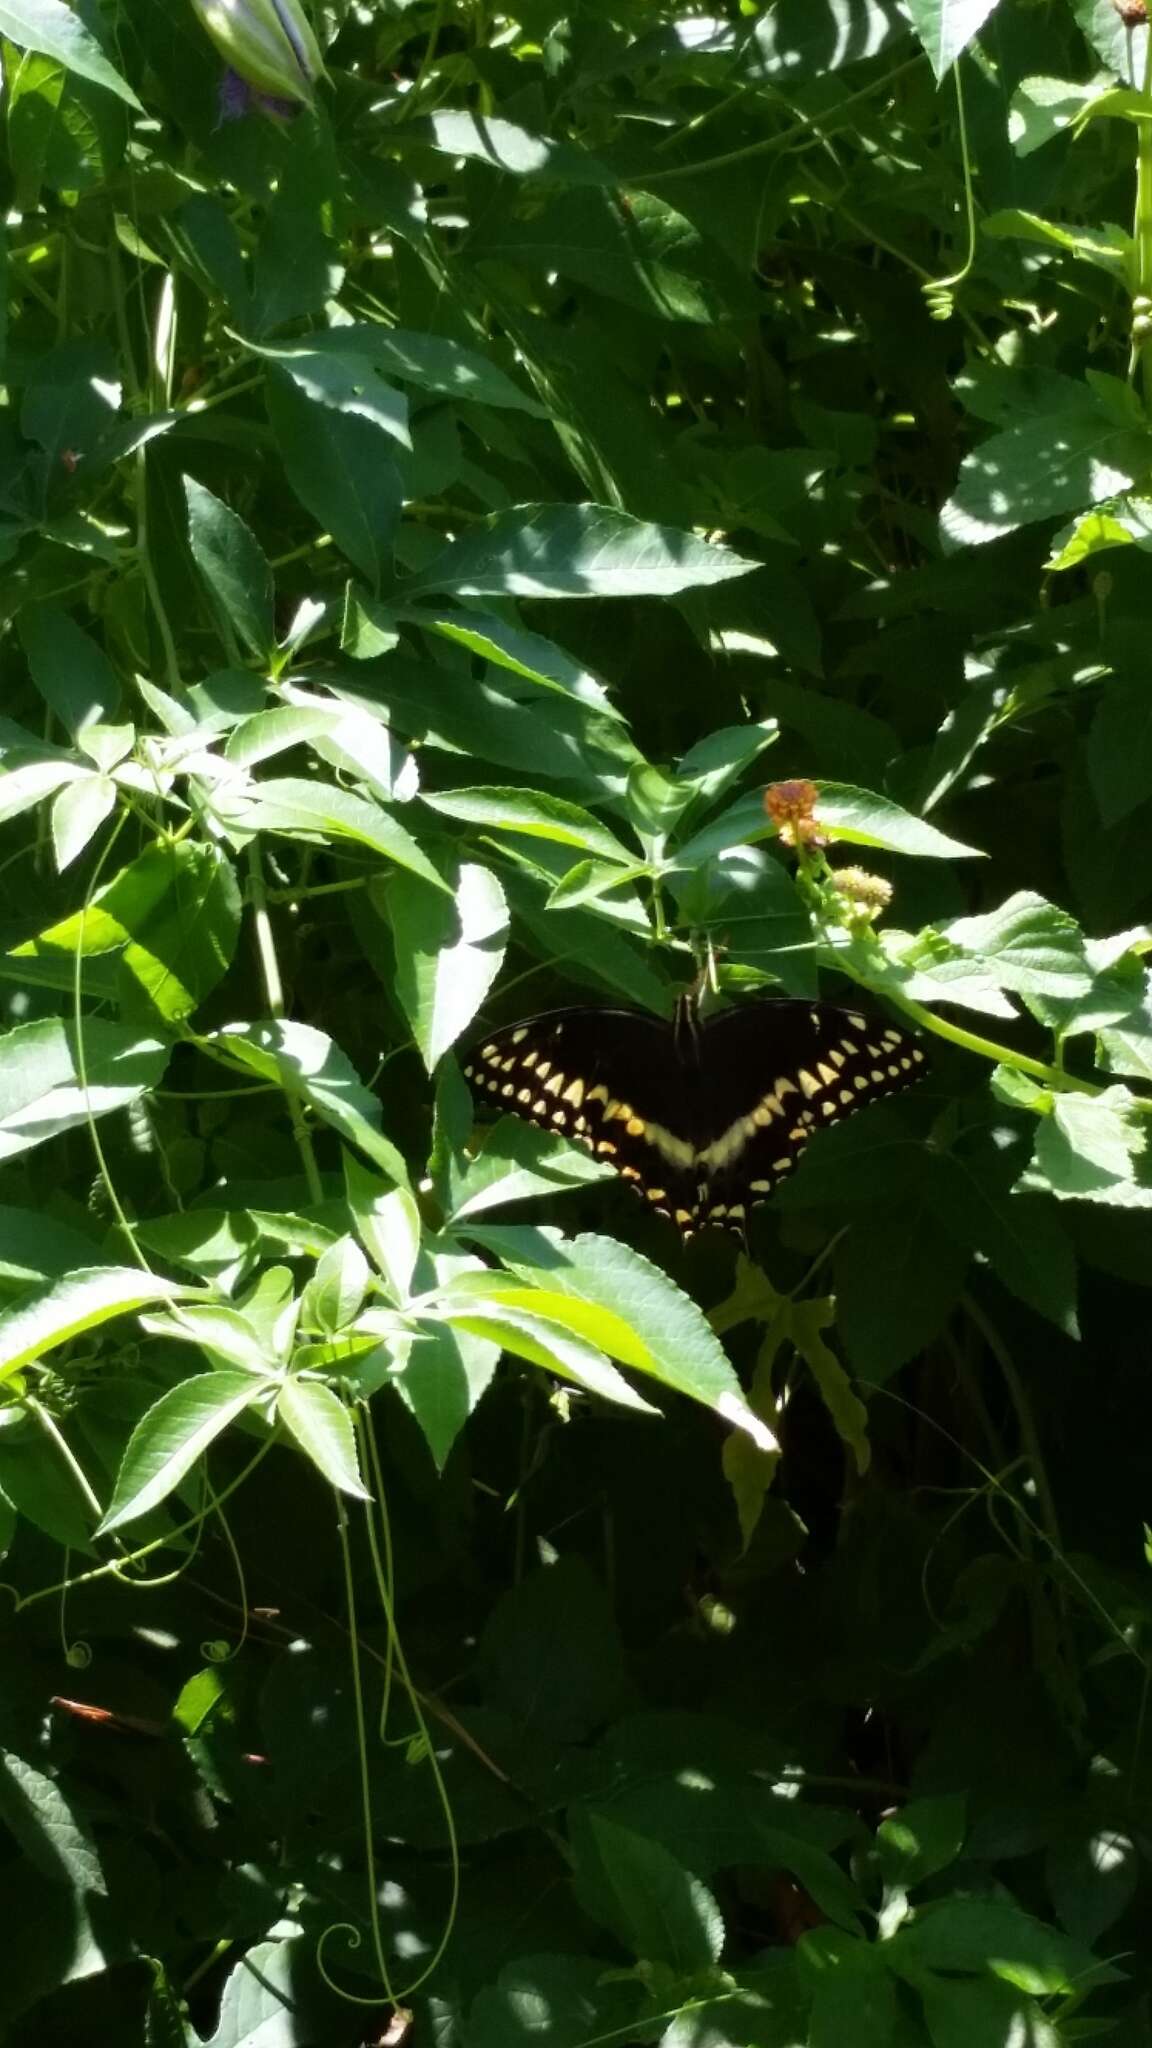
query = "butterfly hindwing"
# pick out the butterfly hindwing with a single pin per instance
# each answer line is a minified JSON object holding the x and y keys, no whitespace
{"x":608,"y":1079}
{"x":774,"y":1072}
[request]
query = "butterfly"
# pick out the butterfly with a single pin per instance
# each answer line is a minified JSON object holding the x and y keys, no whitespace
{"x":704,"y":1116}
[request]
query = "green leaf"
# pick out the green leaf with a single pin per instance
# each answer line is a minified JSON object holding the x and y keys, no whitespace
{"x":983,"y":2013}
{"x":172,"y":1437}
{"x":176,"y":913}
{"x":290,"y":805}
{"x":234,"y":567}
{"x":1107,"y":247}
{"x":520,"y":653}
{"x":538,"y":1326}
{"x":307,"y":1063}
{"x":52,"y":1079}
{"x":388,"y":1222}
{"x":660,"y":1912}
{"x":639,"y":1314}
{"x":447,"y":956}
{"x":260,"y":2005}
{"x":946,"y":27}
{"x":77,"y":815}
{"x":1119,"y":748}
{"x":854,"y":2002}
{"x":799,"y":38}
{"x":806,"y":1322}
{"x":898,"y":1276}
{"x":72,"y":673}
{"x":994,"y":1934}
{"x":1028,"y":944}
{"x":535,"y":814}
{"x":49,"y":1830}
{"x":556,"y":2001}
{"x":118,"y":911}
{"x":334,"y":463}
{"x":515,"y":1163}
{"x":1090,"y":1147}
{"x":34,"y":1245}
{"x":335,"y":1293}
{"x":863,"y":819}
{"x":924,"y":1837}
{"x":347,"y":383}
{"x":322,"y":1427}
{"x":53,"y":28}
{"x":435,"y":362}
{"x":1040,"y":468}
{"x":1021,"y":1236}
{"x":227,"y":1336}
{"x":444,"y":1376}
{"x":576,"y":551}
{"x":21,"y":789}
{"x":47,"y":1317}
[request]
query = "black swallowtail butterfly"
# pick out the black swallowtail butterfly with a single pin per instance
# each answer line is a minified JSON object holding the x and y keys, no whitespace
{"x":704,"y":1116}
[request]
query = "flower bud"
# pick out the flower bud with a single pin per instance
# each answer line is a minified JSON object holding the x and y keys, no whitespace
{"x":1133,"y":13}
{"x":267,"y":43}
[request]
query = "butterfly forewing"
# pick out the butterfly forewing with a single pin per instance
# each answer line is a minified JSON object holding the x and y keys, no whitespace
{"x":775,"y":1072}
{"x":704,"y":1123}
{"x":610,"y":1080}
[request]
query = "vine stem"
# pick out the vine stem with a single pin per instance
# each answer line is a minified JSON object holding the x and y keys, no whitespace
{"x":769,"y":143}
{"x":1025,"y":1420}
{"x":274,"y":994}
{"x":988,"y":1049}
{"x":1142,"y":231}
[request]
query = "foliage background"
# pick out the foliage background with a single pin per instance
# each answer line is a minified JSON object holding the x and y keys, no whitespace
{"x":428,"y":522}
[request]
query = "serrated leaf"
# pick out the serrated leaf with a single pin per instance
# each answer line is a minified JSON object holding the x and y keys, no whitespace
{"x":306,"y":1062}
{"x":1090,"y":1148}
{"x":49,"y":1830}
{"x":77,"y":815}
{"x":647,"y":1322}
{"x":53,"y":1315}
{"x":447,"y":955}
{"x":174,"y":1434}
{"x":322,"y":1427}
{"x":534,"y":813}
{"x":322,"y":810}
{"x":234,"y":567}
{"x":577,"y":551}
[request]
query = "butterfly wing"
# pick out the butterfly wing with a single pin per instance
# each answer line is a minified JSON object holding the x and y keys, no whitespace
{"x":773,"y":1071}
{"x":609,"y":1079}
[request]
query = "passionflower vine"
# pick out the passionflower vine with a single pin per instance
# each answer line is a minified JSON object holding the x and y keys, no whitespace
{"x":267,"y":43}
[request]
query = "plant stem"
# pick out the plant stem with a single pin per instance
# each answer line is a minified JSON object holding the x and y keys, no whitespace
{"x":1142,"y":234}
{"x":274,"y":994}
{"x":769,"y":143}
{"x":988,"y":1049}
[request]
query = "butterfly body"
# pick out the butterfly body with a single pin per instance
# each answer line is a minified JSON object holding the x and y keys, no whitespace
{"x":705,"y":1117}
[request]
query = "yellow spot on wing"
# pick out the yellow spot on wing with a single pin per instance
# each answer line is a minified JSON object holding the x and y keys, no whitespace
{"x":827,"y":1074}
{"x":519,"y":1036}
{"x":523,"y":1095}
{"x":808,"y":1082}
{"x":635,"y":1127}
{"x":575,"y":1094}
{"x":599,"y":1093}
{"x":554,"y":1084}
